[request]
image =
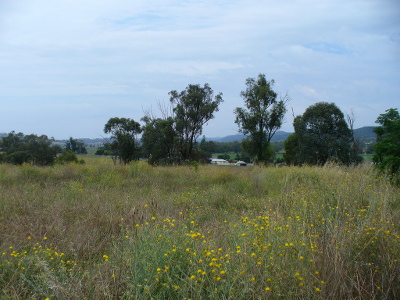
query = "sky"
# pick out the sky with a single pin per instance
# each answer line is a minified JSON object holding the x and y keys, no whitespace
{"x":68,"y":66}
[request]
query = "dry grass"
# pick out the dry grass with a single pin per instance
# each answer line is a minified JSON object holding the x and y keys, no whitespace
{"x":99,"y":231}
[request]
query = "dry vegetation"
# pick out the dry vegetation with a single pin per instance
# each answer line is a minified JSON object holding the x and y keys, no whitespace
{"x":99,"y":231}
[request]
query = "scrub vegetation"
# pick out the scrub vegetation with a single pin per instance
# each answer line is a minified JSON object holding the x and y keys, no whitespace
{"x":99,"y":231}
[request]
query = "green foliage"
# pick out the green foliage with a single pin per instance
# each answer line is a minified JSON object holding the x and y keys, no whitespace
{"x":261,"y":118}
{"x":211,"y":147}
{"x":68,"y":157}
{"x":387,"y":148}
{"x":75,"y":146}
{"x":278,"y":145}
{"x":225,"y":156}
{"x":323,"y":135}
{"x":251,"y":149}
{"x":291,"y":148}
{"x":100,"y":151}
{"x":123,"y":145}
{"x":194,"y":107}
{"x":208,"y":147}
{"x":104,"y":150}
{"x":19,"y":148}
{"x":159,"y":141}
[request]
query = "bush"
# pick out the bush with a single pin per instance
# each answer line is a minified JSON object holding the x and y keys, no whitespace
{"x":68,"y":157}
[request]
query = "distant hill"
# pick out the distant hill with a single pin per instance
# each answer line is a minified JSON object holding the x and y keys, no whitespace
{"x":279,"y":136}
{"x":363,"y":133}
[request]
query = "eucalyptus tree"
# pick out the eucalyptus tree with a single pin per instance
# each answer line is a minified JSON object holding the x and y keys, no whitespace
{"x":123,"y":143}
{"x":261,"y":118}
{"x":76,"y":146}
{"x":158,"y":141}
{"x":192,"y":108}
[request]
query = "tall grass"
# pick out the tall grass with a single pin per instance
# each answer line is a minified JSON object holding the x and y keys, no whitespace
{"x":99,"y":231}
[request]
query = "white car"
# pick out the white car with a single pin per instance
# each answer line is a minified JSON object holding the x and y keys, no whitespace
{"x":240,"y":163}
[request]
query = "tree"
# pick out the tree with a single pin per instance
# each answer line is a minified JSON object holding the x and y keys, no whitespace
{"x":194,"y":107}
{"x":261,"y":118}
{"x":387,"y":147}
{"x":323,"y":134}
{"x":104,"y":150}
{"x":123,"y":145}
{"x":291,"y":147}
{"x":158,"y":141}
{"x":19,"y":148}
{"x":207,"y":147}
{"x":75,"y":146}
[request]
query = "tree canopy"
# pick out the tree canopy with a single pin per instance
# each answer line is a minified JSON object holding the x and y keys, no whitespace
{"x":123,"y":139}
{"x":262,"y":116}
{"x":291,"y":147}
{"x":75,"y":146}
{"x":323,"y":134}
{"x":18,"y":148}
{"x":387,"y":148}
{"x":158,"y":141}
{"x":193,"y":108}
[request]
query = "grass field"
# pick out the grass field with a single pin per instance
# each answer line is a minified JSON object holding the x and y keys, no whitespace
{"x":99,"y":231}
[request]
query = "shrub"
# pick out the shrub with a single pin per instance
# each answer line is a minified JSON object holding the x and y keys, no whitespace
{"x":68,"y":157}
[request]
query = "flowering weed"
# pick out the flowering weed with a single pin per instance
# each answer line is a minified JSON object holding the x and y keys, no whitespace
{"x":136,"y":232}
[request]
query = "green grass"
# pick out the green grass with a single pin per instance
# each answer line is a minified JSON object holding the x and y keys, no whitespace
{"x":99,"y":231}
{"x":367,"y":156}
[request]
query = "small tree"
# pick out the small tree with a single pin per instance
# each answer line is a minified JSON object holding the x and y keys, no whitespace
{"x":123,"y":145}
{"x":75,"y":146}
{"x":158,"y":141}
{"x":68,"y":157}
{"x":387,"y":148}
{"x":261,"y":118}
{"x":194,"y":107}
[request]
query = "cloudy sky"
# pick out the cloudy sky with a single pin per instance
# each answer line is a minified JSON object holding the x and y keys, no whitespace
{"x":68,"y":66}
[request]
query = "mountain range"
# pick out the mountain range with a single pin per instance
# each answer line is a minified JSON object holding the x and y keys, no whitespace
{"x":364,"y":133}
{"x":360,"y":133}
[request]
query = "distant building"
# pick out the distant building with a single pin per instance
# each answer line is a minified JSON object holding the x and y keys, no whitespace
{"x":218,"y":161}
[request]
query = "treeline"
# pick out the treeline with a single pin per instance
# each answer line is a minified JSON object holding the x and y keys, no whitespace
{"x":18,"y":149}
{"x":208,"y":148}
{"x":323,"y":133}
{"x":172,"y":139}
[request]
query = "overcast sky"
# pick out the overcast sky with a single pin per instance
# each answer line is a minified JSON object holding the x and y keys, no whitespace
{"x":68,"y":66}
